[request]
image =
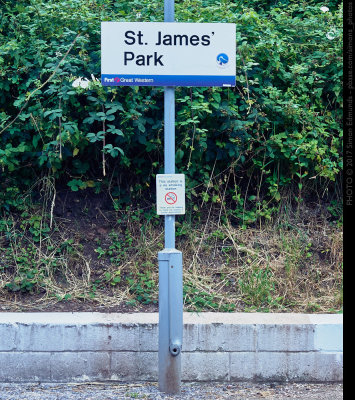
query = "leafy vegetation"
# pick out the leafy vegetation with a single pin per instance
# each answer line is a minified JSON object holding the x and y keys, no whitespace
{"x":272,"y":143}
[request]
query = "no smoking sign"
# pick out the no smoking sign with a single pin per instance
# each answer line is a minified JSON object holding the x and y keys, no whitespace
{"x":171,"y":198}
{"x":170,"y":194}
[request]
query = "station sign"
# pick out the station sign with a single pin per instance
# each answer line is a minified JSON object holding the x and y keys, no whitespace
{"x":170,"y":194}
{"x":168,"y":54}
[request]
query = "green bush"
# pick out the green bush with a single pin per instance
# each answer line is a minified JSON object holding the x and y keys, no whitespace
{"x":280,"y":127}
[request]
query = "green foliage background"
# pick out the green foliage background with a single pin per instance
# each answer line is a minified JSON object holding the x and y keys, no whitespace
{"x":278,"y":130}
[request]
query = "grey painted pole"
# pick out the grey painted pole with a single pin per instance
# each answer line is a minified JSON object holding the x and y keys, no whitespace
{"x":170,"y":262}
{"x":169,"y":157}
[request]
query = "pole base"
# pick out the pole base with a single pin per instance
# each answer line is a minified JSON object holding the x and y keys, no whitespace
{"x":170,"y":320}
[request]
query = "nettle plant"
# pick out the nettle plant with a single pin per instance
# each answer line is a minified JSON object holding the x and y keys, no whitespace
{"x":280,"y":126}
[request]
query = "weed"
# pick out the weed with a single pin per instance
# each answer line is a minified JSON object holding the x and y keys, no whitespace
{"x":218,"y":234}
{"x":65,"y":297}
{"x":97,"y":284}
{"x":118,"y":248}
{"x":113,"y":278}
{"x":36,"y":225}
{"x":135,"y":395}
{"x":182,"y":229}
{"x":10,"y":200}
{"x":143,"y":287}
{"x":336,"y":211}
{"x":297,"y":253}
{"x":29,"y":275}
{"x":198,"y":300}
{"x":100,"y":251}
{"x":312,"y":307}
{"x":257,"y":286}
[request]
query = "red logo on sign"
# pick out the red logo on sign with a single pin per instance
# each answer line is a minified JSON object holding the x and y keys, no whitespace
{"x":117,"y":79}
{"x":171,"y":198}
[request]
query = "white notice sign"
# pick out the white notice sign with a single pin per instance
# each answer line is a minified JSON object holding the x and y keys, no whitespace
{"x":170,"y":194}
{"x":168,"y":54}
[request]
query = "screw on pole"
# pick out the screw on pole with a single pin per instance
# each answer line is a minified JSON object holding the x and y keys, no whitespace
{"x":170,"y":262}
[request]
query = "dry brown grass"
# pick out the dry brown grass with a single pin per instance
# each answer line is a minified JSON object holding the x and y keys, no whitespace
{"x":291,"y":264}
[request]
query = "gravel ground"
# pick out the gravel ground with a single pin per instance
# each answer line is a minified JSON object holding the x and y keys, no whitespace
{"x":190,"y":391}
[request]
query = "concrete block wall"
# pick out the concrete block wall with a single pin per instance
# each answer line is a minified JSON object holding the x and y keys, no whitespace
{"x":63,"y":347}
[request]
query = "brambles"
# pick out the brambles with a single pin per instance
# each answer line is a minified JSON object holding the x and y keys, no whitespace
{"x":143,"y":286}
{"x":279,"y":128}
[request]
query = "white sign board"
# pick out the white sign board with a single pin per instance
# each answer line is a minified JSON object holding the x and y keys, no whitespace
{"x":168,"y":54}
{"x":170,"y":194}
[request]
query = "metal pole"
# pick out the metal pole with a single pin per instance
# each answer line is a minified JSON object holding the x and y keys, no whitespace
{"x":170,"y":262}
{"x":169,"y":156}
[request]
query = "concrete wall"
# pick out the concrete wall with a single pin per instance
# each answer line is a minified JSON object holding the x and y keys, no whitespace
{"x":62,"y":347}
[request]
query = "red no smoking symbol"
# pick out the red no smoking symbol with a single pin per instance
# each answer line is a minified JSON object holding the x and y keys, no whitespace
{"x":171,"y":198}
